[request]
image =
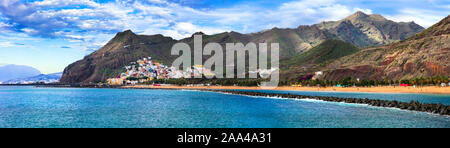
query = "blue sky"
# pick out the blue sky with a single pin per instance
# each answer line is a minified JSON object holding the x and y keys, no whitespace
{"x":50,"y":34}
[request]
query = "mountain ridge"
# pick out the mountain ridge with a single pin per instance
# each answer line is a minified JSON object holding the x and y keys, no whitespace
{"x":12,"y":71}
{"x":422,"y":55}
{"x":127,"y":46}
{"x":41,"y":78}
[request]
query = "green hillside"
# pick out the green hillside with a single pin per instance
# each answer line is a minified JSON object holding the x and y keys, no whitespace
{"x":325,"y":52}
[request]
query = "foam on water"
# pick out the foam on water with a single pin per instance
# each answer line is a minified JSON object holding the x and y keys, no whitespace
{"x":335,"y":103}
{"x":189,"y":90}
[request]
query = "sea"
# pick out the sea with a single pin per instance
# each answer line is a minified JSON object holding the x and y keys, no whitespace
{"x":44,"y":107}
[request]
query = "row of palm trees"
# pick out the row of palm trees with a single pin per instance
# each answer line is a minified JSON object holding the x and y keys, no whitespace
{"x":349,"y":81}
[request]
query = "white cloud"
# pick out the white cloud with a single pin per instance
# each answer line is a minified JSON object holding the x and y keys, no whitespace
{"x":287,"y":15}
{"x":14,"y":36}
{"x":6,"y":44}
{"x":95,"y":23}
{"x":29,"y":30}
{"x":366,"y":11}
{"x":310,"y":11}
{"x":167,"y":18}
{"x":11,"y":44}
{"x":170,"y":18}
{"x":186,"y":29}
{"x":88,"y":41}
{"x":61,"y":3}
{"x":158,"y":1}
{"x":425,"y":18}
{"x":3,"y":25}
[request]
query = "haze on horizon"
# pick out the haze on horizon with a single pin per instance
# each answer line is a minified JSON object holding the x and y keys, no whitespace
{"x":50,"y":34}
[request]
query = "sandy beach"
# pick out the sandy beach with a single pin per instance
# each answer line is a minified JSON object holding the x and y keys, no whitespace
{"x":382,"y":89}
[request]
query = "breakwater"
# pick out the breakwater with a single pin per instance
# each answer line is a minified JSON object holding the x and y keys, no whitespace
{"x":435,"y":108}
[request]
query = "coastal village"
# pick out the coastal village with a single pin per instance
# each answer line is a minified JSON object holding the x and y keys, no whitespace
{"x":145,"y":70}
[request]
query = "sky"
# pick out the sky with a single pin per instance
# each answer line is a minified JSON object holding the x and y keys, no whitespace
{"x":51,"y":34}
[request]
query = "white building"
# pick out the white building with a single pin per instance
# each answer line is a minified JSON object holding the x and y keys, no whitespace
{"x":319,"y":73}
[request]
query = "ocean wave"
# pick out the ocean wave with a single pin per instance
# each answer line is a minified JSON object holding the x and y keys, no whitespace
{"x":189,"y":90}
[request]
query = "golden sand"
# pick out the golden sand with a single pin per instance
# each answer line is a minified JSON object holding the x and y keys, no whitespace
{"x":382,"y":89}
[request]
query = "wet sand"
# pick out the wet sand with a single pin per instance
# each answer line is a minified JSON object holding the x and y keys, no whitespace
{"x":383,"y":89}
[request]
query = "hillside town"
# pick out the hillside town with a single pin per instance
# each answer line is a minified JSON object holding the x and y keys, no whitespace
{"x":145,"y":70}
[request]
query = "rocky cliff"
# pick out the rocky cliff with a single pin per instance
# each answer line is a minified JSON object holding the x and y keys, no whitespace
{"x":425,"y":54}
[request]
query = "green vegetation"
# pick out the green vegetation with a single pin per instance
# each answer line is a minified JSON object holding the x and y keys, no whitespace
{"x":349,"y":81}
{"x":324,"y":53}
{"x":111,"y":73}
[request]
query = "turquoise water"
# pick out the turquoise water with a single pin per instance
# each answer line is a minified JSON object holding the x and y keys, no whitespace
{"x":403,"y":97}
{"x":82,"y":107}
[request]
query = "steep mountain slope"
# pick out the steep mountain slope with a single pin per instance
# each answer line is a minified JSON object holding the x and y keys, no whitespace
{"x":8,"y":72}
{"x":370,"y":30}
{"x":423,"y":55}
{"x":292,"y":41}
{"x":327,"y":51}
{"x":109,"y":60}
{"x":126,"y":46}
{"x":315,"y":59}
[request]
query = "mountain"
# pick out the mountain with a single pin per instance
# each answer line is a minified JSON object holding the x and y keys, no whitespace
{"x":109,"y":60}
{"x":365,"y":30}
{"x":359,"y":29}
{"x":314,"y":59}
{"x":327,"y":51}
{"x":11,"y":71}
{"x":425,"y":54}
{"x":42,"y":78}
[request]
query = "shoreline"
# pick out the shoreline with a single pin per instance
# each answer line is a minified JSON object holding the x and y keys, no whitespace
{"x":433,"y":108}
{"x":381,"y":89}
